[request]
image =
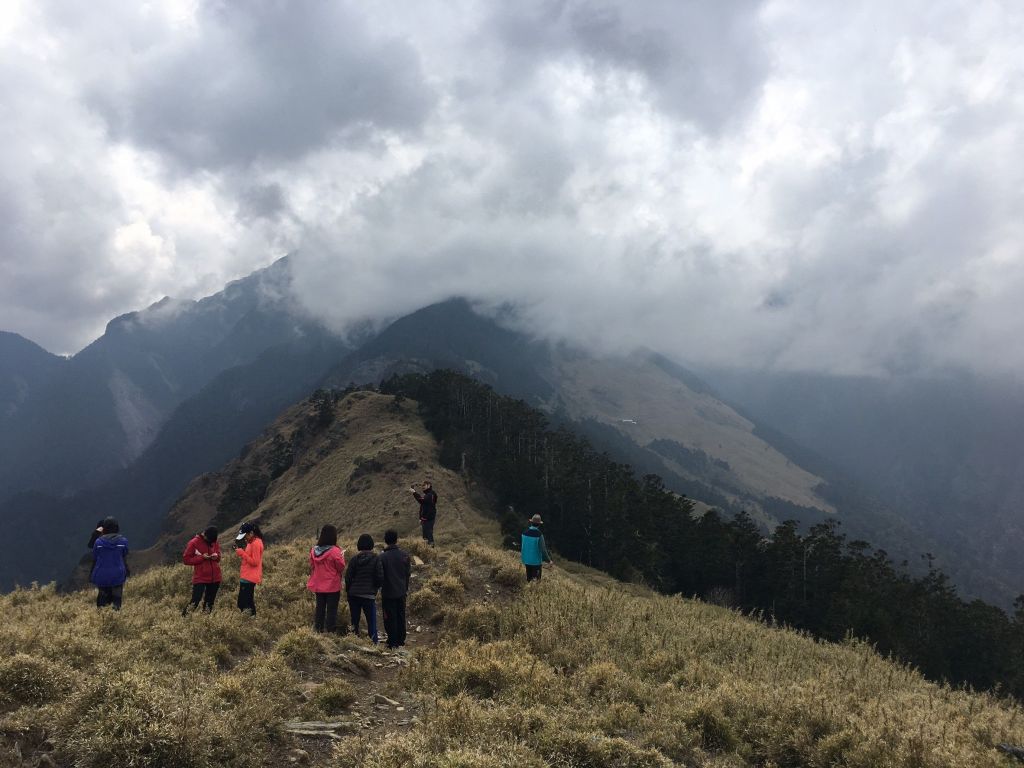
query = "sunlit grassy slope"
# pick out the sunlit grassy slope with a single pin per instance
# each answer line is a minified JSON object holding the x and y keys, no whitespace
{"x":576,"y":671}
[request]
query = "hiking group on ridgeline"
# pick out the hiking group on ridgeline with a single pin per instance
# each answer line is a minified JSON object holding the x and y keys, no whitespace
{"x":361,"y":578}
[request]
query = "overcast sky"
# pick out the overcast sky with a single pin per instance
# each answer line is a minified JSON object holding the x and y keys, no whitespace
{"x":815,"y":184}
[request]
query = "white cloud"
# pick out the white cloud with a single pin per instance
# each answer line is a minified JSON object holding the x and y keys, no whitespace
{"x":794,"y":184}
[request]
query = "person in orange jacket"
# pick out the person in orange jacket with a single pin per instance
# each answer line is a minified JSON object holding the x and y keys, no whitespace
{"x":326,"y":569}
{"x":203,"y":553}
{"x":249,"y":549}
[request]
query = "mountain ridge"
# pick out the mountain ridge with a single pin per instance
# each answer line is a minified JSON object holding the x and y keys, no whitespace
{"x":104,"y":406}
{"x":577,"y":669}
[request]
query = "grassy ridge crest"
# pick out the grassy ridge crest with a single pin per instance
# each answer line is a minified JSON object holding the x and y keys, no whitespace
{"x":579,"y":670}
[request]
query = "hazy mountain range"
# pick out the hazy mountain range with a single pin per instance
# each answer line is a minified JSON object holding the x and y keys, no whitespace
{"x":175,"y":390}
{"x":69,"y":423}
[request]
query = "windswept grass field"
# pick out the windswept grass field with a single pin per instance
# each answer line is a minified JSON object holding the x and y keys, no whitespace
{"x":576,"y":671}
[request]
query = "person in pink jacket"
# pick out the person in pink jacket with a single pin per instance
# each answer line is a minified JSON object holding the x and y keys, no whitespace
{"x":326,"y":567}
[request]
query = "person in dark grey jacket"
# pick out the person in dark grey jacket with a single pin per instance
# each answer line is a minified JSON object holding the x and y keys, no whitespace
{"x":364,"y":576}
{"x":397,"y":570}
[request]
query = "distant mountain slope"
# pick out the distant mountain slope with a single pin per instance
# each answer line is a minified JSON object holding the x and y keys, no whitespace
{"x":451,"y":334}
{"x":701,"y":446}
{"x":25,"y":367}
{"x":202,"y":434}
{"x":98,"y":411}
{"x":947,"y":451}
{"x":697,"y":436}
{"x":662,"y":417}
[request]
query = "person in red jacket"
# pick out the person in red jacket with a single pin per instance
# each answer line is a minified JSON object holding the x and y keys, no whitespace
{"x":326,"y":568}
{"x":203,"y":553}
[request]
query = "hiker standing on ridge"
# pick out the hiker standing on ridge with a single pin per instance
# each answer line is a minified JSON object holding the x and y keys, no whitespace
{"x":326,"y":568}
{"x":397,"y":571}
{"x":109,"y":563}
{"x":363,"y":577}
{"x":249,"y":549}
{"x":534,"y":550}
{"x":428,"y":510}
{"x":203,"y":553}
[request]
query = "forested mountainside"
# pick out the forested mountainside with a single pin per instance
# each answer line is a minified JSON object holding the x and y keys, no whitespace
{"x":659,"y":417}
{"x":576,"y":670}
{"x":602,"y":514}
{"x":946,"y":450}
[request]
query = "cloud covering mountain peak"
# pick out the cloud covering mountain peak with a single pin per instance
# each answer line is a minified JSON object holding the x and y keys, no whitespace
{"x":783,"y":184}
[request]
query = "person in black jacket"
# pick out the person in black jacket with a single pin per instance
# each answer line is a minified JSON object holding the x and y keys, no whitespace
{"x":363,"y":577}
{"x":428,"y":510}
{"x":397,"y":570}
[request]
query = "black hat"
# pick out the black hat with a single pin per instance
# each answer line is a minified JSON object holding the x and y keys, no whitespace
{"x":246,"y":528}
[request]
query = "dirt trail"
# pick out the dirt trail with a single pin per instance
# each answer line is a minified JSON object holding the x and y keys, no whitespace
{"x":385,"y":697}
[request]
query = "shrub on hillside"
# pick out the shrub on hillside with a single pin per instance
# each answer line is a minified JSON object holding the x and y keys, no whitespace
{"x":457,"y":566}
{"x":121,"y":718}
{"x":425,"y":602}
{"x":334,"y":697}
{"x":475,"y":621}
{"x":419,"y":548}
{"x":508,"y":575}
{"x":447,"y":586}
{"x":300,"y":646}
{"x":490,"y":670}
{"x":605,"y":681}
{"x":26,"y":679}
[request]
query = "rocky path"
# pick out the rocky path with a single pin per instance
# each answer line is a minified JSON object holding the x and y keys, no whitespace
{"x":383,"y":700}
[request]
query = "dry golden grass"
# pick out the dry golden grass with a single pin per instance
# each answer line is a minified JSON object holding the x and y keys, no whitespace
{"x":577,"y":670}
{"x":665,"y":408}
{"x":568,"y":673}
{"x":573,"y":674}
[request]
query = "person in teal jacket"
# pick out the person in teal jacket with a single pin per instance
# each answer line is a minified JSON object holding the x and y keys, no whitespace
{"x":534,"y":550}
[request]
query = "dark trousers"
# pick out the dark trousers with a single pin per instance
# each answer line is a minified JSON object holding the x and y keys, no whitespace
{"x":325,"y":619}
{"x":367,"y":606}
{"x":247,"y":597}
{"x":393,"y":609}
{"x":428,"y":531}
{"x":205,"y":592}
{"x":533,"y":572}
{"x":110,"y":596}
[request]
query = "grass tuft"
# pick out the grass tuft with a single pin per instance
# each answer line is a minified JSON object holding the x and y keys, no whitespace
{"x":300,"y":646}
{"x":334,"y":697}
{"x":26,"y":679}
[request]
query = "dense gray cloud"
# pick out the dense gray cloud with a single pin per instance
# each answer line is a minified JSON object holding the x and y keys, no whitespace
{"x":265,"y":80}
{"x":778,"y":183}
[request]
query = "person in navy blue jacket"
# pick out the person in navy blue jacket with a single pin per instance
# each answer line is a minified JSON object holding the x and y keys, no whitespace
{"x":534,"y":550}
{"x":109,"y":563}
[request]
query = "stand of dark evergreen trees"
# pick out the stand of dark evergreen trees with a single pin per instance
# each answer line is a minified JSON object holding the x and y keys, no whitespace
{"x":597,"y":512}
